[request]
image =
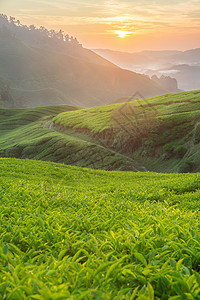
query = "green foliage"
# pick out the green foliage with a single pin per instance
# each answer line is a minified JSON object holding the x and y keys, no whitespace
{"x":160,"y":128}
{"x":168,"y":151}
{"x":186,"y":166}
{"x":171,"y":150}
{"x":30,"y":133}
{"x":197,"y":133}
{"x":180,"y":151}
{"x":73,"y":233}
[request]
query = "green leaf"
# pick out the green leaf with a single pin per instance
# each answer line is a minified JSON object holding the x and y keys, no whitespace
{"x":141,"y":258}
{"x":5,"y":249}
{"x":150,"y":291}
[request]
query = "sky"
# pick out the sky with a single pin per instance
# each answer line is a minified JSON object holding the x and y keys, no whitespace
{"x":128,"y":25}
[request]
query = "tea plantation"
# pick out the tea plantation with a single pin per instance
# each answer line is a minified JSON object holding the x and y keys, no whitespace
{"x":29,"y":133}
{"x":77,"y":233}
{"x":160,"y":134}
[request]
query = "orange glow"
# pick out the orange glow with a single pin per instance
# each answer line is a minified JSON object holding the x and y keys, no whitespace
{"x":118,"y":25}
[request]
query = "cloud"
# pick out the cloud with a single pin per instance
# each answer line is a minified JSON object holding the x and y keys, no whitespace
{"x":137,"y":16}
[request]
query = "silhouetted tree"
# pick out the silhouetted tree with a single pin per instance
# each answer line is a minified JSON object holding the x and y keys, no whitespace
{"x":40,"y":37}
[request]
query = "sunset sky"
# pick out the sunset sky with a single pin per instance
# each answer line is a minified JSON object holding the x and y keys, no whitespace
{"x":128,"y":25}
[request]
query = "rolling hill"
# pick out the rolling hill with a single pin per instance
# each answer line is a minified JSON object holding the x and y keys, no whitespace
{"x":28,"y":133}
{"x":156,"y":134}
{"x":44,"y":70}
{"x":162,"y":133}
{"x":74,"y":233}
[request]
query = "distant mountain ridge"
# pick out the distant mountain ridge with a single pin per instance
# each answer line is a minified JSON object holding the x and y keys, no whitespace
{"x":43,"y":73}
{"x":167,"y":63}
{"x":187,"y":76}
{"x":149,"y":58}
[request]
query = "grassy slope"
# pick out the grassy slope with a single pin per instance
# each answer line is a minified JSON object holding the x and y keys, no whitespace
{"x":161,"y":132}
{"x":73,"y":233}
{"x":27,"y":133}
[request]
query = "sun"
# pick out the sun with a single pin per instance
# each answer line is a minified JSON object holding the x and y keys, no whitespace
{"x":122,"y":33}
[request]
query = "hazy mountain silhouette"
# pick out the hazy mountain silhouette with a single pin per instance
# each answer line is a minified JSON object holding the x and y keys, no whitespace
{"x":188,"y":77}
{"x":48,"y":67}
{"x":181,"y":65}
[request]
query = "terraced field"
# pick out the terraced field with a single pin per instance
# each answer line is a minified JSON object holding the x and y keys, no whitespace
{"x":159,"y":134}
{"x":75,"y":233}
{"x":28,"y":133}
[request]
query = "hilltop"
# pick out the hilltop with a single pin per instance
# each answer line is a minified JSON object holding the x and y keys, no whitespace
{"x":155,"y":134}
{"x":48,"y":68}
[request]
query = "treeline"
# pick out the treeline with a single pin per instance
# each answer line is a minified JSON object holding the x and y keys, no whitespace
{"x":36,"y":37}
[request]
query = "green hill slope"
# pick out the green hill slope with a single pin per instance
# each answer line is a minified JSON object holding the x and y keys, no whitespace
{"x":162,"y":132}
{"x":28,"y":133}
{"x":158,"y":134}
{"x":73,"y":233}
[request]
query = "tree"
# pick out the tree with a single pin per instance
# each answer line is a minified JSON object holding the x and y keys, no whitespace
{"x":36,"y":37}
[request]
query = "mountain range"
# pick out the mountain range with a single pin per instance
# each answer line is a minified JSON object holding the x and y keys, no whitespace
{"x":184,"y":66}
{"x":45,"y":67}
